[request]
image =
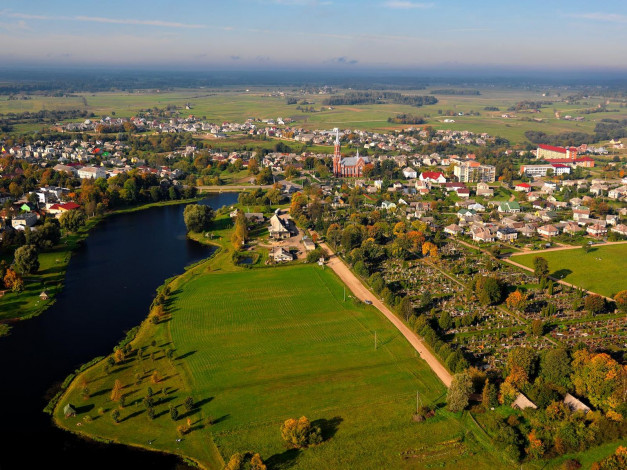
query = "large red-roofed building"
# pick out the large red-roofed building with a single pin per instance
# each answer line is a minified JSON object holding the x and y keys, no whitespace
{"x":550,"y":152}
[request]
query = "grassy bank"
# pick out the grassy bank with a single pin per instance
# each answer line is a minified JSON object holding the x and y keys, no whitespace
{"x":52,"y":267}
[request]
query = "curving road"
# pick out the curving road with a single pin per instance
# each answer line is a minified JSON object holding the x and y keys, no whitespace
{"x":362,"y":292}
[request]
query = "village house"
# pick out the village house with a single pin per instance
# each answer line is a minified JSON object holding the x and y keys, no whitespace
{"x":523,"y":187}
{"x":621,"y":229}
{"x":281,"y":255}
{"x":483,"y":189}
{"x":453,"y":229}
{"x":278,"y":229}
{"x":596,"y":230}
{"x":410,"y":173}
{"x":509,"y":207}
{"x":481,"y":234}
{"x":506,"y":234}
{"x":434,"y":177}
{"x":548,"y":231}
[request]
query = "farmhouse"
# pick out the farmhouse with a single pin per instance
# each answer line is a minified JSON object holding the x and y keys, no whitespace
{"x":278,"y":229}
{"x":281,"y":255}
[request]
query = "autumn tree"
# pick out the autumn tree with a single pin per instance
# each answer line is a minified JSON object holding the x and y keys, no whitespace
{"x":458,"y":395}
{"x":489,"y":395}
{"x":116,"y":391}
{"x":599,"y":378}
{"x":621,"y":301}
{"x":118,"y":355}
{"x":516,"y":300}
{"x":430,"y":249}
{"x":12,"y":280}
{"x":300,"y":433}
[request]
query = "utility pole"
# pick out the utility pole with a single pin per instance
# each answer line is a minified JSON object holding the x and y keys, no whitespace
{"x":375,"y":340}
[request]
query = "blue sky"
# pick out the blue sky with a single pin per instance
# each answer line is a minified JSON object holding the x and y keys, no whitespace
{"x":333,"y":34}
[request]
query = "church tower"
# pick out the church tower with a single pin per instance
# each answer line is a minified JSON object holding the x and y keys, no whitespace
{"x":337,"y":155}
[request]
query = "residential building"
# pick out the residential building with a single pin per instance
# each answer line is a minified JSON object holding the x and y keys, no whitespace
{"x":550,"y":152}
{"x":92,"y":172}
{"x":472,"y":171}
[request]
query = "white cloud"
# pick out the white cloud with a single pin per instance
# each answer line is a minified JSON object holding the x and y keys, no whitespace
{"x":98,"y":19}
{"x":406,"y":5}
{"x":598,"y":16}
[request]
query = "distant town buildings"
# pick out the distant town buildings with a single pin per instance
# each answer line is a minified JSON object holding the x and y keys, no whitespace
{"x":472,"y":171}
{"x":550,"y":152}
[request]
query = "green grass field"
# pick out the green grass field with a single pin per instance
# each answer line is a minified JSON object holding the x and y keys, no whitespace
{"x":237,"y":105}
{"x":602,"y":270}
{"x":255,"y":347}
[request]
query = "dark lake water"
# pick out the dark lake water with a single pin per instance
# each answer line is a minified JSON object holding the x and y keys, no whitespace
{"x":109,"y":285}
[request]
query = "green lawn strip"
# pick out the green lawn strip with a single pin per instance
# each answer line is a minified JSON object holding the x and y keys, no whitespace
{"x":602,"y":270}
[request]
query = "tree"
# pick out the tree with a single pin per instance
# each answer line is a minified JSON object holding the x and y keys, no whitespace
{"x":12,"y":280}
{"x":459,"y":393}
{"x":174,"y":413}
{"x":524,"y":358}
{"x":516,"y":300}
{"x":594,"y":303}
{"x":488,"y":289}
{"x":189,"y":404}
{"x":72,"y":220}
{"x":489,"y":396}
{"x":599,"y":378}
{"x":621,"y":301}
{"x":445,"y":321}
{"x":300,"y":433}
{"x":430,"y":249}
{"x":537,"y":327}
{"x":405,"y":308}
{"x":115,"y":415}
{"x":198,"y":217}
{"x":26,"y":259}
{"x":555,"y":367}
{"x":540,"y":267}
{"x":116,"y":391}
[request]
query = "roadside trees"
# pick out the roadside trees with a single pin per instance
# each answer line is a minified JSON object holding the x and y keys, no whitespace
{"x":458,"y":395}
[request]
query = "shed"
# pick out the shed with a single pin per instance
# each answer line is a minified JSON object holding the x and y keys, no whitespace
{"x":44,"y":295}
{"x":523,"y":402}
{"x":574,"y":404}
{"x":69,"y":411}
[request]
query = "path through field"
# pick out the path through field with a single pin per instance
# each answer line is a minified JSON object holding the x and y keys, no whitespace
{"x":362,"y":292}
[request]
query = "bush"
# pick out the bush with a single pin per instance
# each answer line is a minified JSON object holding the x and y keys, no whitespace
{"x":300,"y":433}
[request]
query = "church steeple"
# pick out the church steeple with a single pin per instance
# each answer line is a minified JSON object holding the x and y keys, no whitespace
{"x":337,"y":152}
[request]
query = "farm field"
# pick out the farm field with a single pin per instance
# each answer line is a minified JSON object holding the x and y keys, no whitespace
{"x":238,"y":105}
{"x":602,"y":270}
{"x":255,"y":347}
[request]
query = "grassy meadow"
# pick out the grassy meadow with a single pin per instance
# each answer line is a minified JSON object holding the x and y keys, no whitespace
{"x":228,"y":104}
{"x":602,"y":270}
{"x":255,"y":347}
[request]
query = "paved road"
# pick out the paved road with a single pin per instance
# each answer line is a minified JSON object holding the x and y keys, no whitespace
{"x":362,"y":292}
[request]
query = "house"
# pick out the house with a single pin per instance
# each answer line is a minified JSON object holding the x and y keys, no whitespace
{"x":434,"y":177}
{"x":481,"y":234}
{"x":596,"y":230}
{"x":410,"y":173}
{"x":475,"y":206}
{"x":388,"y":205}
{"x":621,"y":229}
{"x":463,"y":192}
{"x":92,"y":172}
{"x":483,"y":189}
{"x":574,"y":404}
{"x":69,"y":411}
{"x":453,"y":229}
{"x":281,"y":255}
{"x":581,"y":212}
{"x":278,"y":229}
{"x":529,"y":230}
{"x":548,"y":231}
{"x":523,"y":402}
{"x":21,"y":221}
{"x":523,"y":187}
{"x":506,"y":234}
{"x":510,"y":207}
{"x":572,"y":228}
{"x":454,"y":186}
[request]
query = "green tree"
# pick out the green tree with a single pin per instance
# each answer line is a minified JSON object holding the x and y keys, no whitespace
{"x":594,"y":304}
{"x":445,"y":321}
{"x":198,"y":217}
{"x":26,"y":259}
{"x":300,"y":433}
{"x":458,"y":395}
{"x":540,"y":267}
{"x":524,"y":358}
{"x":555,"y":367}
{"x":489,"y":290}
{"x":489,"y":395}
{"x":405,"y":308}
{"x":72,"y":220}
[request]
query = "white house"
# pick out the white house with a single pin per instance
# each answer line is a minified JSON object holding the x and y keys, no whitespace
{"x":92,"y":172}
{"x":410,"y":173}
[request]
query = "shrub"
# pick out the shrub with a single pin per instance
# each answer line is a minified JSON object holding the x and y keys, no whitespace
{"x":300,"y":433}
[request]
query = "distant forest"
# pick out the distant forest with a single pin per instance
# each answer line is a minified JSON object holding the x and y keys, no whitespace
{"x":378,"y":97}
{"x":406,"y":119}
{"x":607,"y":129}
{"x":452,"y":91}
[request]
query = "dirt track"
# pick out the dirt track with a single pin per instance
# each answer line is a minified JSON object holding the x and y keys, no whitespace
{"x":362,"y":292}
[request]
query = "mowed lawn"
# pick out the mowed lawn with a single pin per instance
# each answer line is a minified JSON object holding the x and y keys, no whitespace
{"x":603,"y":270}
{"x":270,"y":344}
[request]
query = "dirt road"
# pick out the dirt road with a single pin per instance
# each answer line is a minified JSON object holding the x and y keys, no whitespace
{"x":362,"y":292}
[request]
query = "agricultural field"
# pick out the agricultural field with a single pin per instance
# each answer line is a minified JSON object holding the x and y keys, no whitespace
{"x":602,"y":270}
{"x":255,"y":347}
{"x":227,"y":104}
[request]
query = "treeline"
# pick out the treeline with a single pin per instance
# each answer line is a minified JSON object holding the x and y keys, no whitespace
{"x":452,"y":91}
{"x":609,"y":129}
{"x":523,"y":105}
{"x":379,"y":97}
{"x":565,"y":139}
{"x":406,"y":119}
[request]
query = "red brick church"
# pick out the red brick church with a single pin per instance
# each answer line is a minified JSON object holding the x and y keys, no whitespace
{"x":350,"y":167}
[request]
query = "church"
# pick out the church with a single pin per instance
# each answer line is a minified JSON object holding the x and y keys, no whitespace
{"x":351,"y":167}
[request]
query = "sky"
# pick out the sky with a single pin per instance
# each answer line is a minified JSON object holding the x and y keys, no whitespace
{"x":340,"y":35}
